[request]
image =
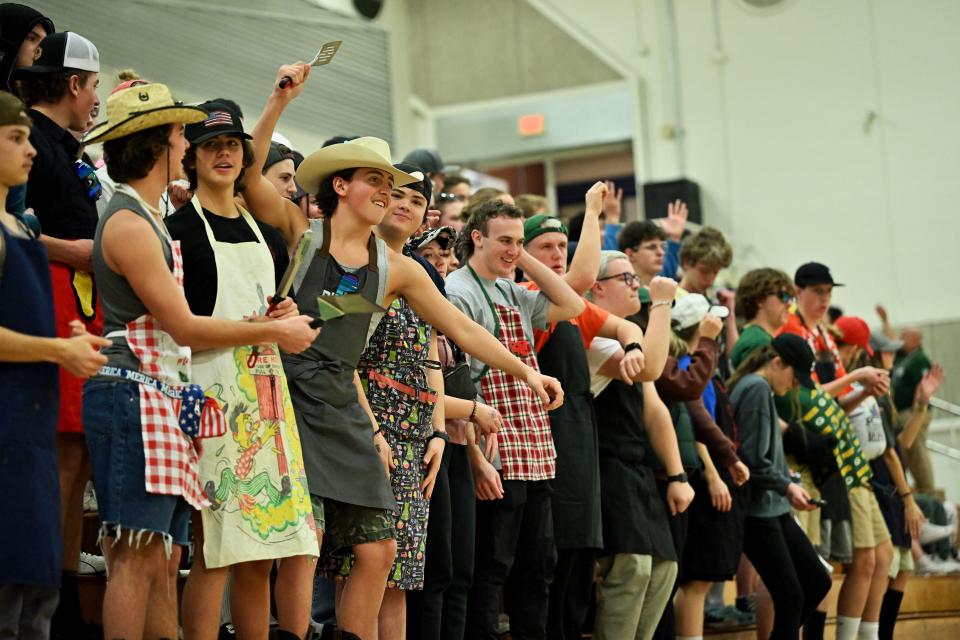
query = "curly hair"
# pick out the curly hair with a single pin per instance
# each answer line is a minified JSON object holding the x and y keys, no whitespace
{"x":132,"y":157}
{"x":635,"y":233}
{"x":480,"y":220}
{"x":758,"y":284}
{"x":190,"y":166}
{"x":707,"y":247}
{"x":327,"y":197}
{"x":50,"y":88}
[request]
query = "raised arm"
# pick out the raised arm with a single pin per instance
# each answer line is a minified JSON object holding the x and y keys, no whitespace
{"x":565,"y":303}
{"x":656,"y":343}
{"x":262,"y":198}
{"x":586,"y":261}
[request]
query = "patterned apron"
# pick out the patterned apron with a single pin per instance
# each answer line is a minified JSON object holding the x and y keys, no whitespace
{"x":526,"y":444}
{"x":252,"y":475}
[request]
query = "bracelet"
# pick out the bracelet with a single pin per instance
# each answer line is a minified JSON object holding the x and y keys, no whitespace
{"x":661,"y":303}
{"x":633,"y":346}
{"x":376,"y":432}
{"x":907,"y":494}
{"x":921,"y":407}
{"x":473,"y":412}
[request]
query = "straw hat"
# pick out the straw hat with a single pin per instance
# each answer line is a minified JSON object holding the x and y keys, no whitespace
{"x":141,"y":107}
{"x":360,"y":153}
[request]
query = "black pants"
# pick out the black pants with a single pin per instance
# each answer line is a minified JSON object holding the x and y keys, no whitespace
{"x":571,"y":593}
{"x":440,"y":610}
{"x":790,"y":569}
{"x":679,"y":526}
{"x":515,"y":550}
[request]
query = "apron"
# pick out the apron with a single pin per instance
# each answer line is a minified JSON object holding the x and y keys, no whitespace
{"x":29,"y":480}
{"x":171,"y":463}
{"x":576,"y":498}
{"x":634,"y":519}
{"x":341,"y":461}
{"x":253,"y":474}
{"x":526,"y":445}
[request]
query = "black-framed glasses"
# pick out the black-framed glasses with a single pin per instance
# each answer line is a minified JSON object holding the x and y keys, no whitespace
{"x":628,"y":278}
{"x":88,"y":175}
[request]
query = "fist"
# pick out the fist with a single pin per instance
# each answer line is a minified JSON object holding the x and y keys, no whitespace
{"x":662,"y":289}
{"x":710,"y":326}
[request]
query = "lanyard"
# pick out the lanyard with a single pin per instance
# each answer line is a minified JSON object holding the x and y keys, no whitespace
{"x":493,"y":310}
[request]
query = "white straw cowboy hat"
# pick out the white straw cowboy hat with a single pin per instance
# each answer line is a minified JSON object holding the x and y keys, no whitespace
{"x":141,"y":107}
{"x":360,"y":153}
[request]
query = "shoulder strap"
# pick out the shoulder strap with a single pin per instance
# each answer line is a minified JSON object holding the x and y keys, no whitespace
{"x":493,"y":310}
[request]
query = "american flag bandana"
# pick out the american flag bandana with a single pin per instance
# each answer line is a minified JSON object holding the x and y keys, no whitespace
{"x":218,"y":119}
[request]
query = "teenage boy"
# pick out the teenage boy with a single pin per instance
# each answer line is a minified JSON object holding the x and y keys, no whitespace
{"x":814,"y":285}
{"x":29,"y":355}
{"x":60,"y":89}
{"x":764,"y":296}
{"x":347,"y":457}
{"x":515,"y":535}
{"x":653,"y":249}
{"x":562,"y":352}
{"x":702,"y":256}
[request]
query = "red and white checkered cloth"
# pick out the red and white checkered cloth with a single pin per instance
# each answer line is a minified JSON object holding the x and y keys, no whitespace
{"x":526,"y":443}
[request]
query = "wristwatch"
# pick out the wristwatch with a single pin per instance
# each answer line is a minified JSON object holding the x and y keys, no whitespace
{"x":680,"y":477}
{"x":443,"y":435}
{"x":632,"y":346}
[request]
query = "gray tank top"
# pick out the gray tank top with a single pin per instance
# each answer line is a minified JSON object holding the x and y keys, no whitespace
{"x":120,"y":303}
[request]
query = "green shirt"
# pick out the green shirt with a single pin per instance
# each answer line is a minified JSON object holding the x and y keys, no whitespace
{"x":821,"y":414}
{"x":752,"y":338}
{"x":907,"y":374}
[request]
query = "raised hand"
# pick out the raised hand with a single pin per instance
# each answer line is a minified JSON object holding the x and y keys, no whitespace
{"x":881,"y":313}
{"x":597,"y":198}
{"x":710,"y":326}
{"x":929,"y":384}
{"x":298,"y":73}
{"x":676,"y":220}
{"x":612,"y":203}
{"x":662,"y":289}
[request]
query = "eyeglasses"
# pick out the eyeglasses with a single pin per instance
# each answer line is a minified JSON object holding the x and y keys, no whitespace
{"x":652,"y":246}
{"x":88,"y":176}
{"x":628,"y":278}
{"x":450,"y":197}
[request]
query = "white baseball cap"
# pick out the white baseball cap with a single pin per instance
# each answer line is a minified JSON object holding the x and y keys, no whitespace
{"x":691,"y":309}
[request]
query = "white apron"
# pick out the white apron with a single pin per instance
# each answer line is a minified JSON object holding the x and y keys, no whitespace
{"x":253,"y":475}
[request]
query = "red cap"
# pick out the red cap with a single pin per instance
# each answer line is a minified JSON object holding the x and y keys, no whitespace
{"x":855,"y":331}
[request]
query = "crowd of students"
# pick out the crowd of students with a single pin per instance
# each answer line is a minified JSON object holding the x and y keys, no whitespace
{"x":361,"y":383}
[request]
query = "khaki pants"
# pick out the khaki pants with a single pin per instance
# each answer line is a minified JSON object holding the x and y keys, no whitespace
{"x":918,"y":456}
{"x":631,"y":596}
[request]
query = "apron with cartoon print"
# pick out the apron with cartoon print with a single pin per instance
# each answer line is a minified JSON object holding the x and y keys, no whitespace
{"x":252,"y":475}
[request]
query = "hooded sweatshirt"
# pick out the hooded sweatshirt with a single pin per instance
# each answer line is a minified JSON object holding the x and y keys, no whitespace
{"x":17,"y":20}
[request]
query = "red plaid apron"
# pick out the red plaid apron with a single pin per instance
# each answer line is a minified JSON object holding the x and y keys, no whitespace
{"x":526,"y":444}
{"x":171,"y":463}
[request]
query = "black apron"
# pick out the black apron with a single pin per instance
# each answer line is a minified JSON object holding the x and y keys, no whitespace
{"x":576,"y":497}
{"x":29,"y":480}
{"x":335,"y":432}
{"x":634,"y":520}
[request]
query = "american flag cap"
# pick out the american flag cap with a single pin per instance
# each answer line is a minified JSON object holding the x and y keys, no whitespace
{"x":223,"y":117}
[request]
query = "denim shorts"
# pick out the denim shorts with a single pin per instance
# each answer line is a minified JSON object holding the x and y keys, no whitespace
{"x":111,"y":420}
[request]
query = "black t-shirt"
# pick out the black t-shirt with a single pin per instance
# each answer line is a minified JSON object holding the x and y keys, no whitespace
{"x":59,"y":197}
{"x":199,"y":263}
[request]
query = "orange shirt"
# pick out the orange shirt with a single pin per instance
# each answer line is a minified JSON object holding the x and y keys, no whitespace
{"x":589,"y":322}
{"x":819,"y":340}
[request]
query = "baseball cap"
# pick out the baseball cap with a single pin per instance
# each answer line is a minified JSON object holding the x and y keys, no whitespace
{"x":424,"y":185}
{"x":540,"y":224}
{"x":883,"y":343}
{"x":278,"y":152}
{"x":813,"y":273}
{"x":427,"y":159}
{"x":691,"y":309}
{"x":12,"y":111}
{"x":60,"y":51}
{"x":223,"y":118}
{"x":854,"y":331}
{"x":795,"y":351}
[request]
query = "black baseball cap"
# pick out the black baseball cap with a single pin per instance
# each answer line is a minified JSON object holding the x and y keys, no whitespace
{"x":424,"y":185}
{"x":427,"y":160}
{"x":813,"y":273}
{"x":59,"y":52}
{"x":795,"y":351}
{"x":224,"y":117}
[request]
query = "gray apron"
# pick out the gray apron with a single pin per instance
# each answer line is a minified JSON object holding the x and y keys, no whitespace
{"x":335,"y":431}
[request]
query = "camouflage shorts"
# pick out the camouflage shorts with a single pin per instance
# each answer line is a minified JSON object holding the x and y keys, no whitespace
{"x":345,"y":525}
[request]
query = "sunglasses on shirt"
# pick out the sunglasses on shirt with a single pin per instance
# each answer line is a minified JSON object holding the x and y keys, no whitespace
{"x":88,"y":175}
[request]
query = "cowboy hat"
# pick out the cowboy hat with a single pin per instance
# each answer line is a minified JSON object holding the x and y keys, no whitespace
{"x":141,"y":107}
{"x":360,"y":153}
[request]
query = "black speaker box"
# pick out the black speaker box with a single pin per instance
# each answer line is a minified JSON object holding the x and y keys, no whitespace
{"x":657,"y":195}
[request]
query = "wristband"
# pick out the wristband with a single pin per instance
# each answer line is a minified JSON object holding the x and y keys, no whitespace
{"x":443,"y":435}
{"x":680,"y":477}
{"x":633,"y":346}
{"x":661,"y":303}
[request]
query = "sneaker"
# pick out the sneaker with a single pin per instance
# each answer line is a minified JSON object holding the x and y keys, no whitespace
{"x":930,"y":532}
{"x":91,"y":565}
{"x":947,"y":566}
{"x":89,"y":498}
{"x":926,"y":565}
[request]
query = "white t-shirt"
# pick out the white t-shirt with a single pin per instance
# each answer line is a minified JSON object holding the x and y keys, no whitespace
{"x":601,"y":350}
{"x":868,"y":425}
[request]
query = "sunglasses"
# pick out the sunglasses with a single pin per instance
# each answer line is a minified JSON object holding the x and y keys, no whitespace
{"x":349,"y":283}
{"x":629,"y":279}
{"x":87,"y":174}
{"x":785,"y":297}
{"x":450,"y":197}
